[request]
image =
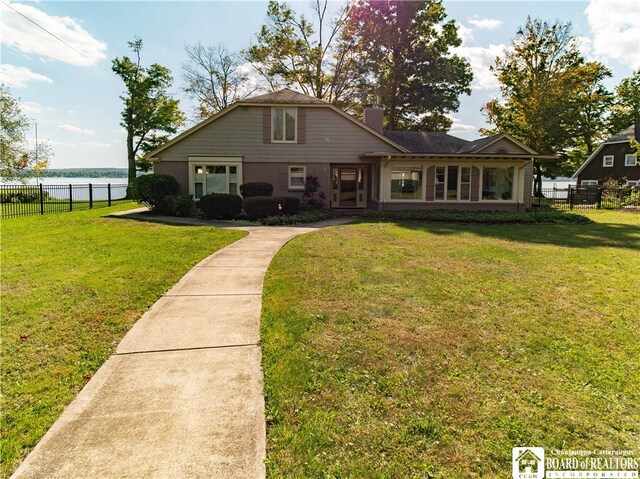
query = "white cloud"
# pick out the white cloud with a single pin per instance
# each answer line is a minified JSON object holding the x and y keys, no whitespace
{"x":615,"y":26}
{"x":24,"y":36}
{"x":18,"y":77}
{"x":459,"y":126}
{"x":465,"y":33}
{"x":96,"y":144}
{"x":74,"y":129}
{"x":28,"y":107}
{"x":484,"y":23}
{"x":480,"y":59}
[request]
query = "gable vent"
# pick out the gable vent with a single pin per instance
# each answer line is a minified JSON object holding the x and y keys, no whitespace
{"x":502,"y":151}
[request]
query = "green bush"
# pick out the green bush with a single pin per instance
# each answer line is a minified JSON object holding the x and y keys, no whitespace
{"x":290,"y":205}
{"x":151,"y":191}
{"x":179,"y":205}
{"x":257,"y":207}
{"x":257,"y":188}
{"x":482,"y":217}
{"x":304,"y":217}
{"x":23,"y":194}
{"x":220,"y":206}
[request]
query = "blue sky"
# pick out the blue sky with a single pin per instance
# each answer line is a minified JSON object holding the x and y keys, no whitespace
{"x":73,"y":96}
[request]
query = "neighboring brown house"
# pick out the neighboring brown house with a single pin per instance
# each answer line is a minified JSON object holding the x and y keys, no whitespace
{"x":282,"y":137}
{"x":612,"y":159}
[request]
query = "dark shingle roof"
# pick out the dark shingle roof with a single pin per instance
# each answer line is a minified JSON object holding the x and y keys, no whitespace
{"x":427,"y":141}
{"x":626,"y":134}
{"x":285,"y":96}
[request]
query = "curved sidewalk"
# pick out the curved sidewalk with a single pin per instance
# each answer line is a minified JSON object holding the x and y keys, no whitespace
{"x":182,"y":396}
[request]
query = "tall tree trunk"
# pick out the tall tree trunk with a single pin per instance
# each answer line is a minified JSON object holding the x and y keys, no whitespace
{"x":537,"y":181}
{"x":131,"y":162}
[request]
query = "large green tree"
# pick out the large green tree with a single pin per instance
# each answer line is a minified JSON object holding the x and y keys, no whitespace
{"x":551,"y":99}
{"x":626,"y":108}
{"x":17,"y":160}
{"x":406,"y":61}
{"x":292,"y":50}
{"x":149,"y":113}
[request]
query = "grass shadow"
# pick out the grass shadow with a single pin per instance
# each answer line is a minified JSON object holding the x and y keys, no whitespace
{"x":605,"y":235}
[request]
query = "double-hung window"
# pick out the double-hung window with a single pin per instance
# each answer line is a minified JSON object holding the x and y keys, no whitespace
{"x":630,"y":160}
{"x":589,"y":183}
{"x":283,"y":124}
{"x":607,"y":160}
{"x":296,"y":177}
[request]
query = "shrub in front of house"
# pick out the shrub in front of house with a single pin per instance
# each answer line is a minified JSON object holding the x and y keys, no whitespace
{"x":220,"y":206}
{"x":257,"y":207}
{"x":290,"y":205}
{"x":151,"y":191}
{"x":179,"y":205}
{"x":257,"y":188}
{"x":312,"y":198}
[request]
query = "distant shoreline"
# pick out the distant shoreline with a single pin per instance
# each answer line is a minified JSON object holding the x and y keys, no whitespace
{"x":84,"y":173}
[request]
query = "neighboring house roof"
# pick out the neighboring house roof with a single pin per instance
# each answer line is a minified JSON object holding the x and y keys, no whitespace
{"x":284,"y":97}
{"x":280,"y":97}
{"x":439,"y":142}
{"x":623,"y":136}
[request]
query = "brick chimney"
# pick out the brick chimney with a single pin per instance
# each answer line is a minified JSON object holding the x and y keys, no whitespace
{"x":373,"y":117}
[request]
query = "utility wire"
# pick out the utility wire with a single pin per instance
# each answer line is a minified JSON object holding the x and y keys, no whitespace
{"x":52,"y":34}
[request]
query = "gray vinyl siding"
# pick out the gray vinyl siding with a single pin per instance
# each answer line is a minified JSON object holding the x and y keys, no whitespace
{"x":505,"y":143}
{"x":329,"y":138}
{"x":528,"y":184}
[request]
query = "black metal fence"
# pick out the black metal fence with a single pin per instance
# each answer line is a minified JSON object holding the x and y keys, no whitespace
{"x":590,"y":197}
{"x":27,"y":200}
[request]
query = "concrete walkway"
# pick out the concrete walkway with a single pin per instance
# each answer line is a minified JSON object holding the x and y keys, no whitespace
{"x":182,"y":397}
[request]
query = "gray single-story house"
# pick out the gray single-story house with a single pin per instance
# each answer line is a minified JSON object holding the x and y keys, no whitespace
{"x":613,"y":159}
{"x":284,"y":136}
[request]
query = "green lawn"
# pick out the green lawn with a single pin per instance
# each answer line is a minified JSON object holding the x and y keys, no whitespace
{"x":430,"y":350}
{"x":72,"y":286}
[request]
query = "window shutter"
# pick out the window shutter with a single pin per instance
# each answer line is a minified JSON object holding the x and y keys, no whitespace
{"x":475,"y":183}
{"x":301,"y":125}
{"x":431,"y":178}
{"x":266,"y":125}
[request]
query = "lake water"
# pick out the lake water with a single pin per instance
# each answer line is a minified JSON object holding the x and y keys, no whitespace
{"x":62,"y":188}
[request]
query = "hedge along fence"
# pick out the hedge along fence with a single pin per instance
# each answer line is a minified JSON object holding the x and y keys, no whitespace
{"x":28,"y":200}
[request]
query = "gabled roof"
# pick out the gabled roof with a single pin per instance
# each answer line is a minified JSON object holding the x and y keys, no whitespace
{"x":439,"y":142}
{"x":280,"y":97}
{"x":285,"y":96}
{"x":627,"y":134}
{"x":623,"y":136}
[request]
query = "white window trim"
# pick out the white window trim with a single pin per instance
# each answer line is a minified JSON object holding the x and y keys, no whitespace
{"x":588,"y":182}
{"x":634,"y":160}
{"x":213,"y":161}
{"x":423,"y":187}
{"x":446,"y":181}
{"x":513,"y":185}
{"x":633,"y":182}
{"x":284,"y":124}
{"x":604,"y":161}
{"x":304,"y":175}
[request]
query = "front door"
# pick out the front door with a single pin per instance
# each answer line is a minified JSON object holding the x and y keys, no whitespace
{"x":348,"y":187}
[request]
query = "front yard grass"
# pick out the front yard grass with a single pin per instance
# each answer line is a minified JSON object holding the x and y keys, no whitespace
{"x":72,"y":285}
{"x":431,"y":350}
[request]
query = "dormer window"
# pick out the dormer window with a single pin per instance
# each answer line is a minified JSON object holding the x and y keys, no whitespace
{"x":283,"y":121}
